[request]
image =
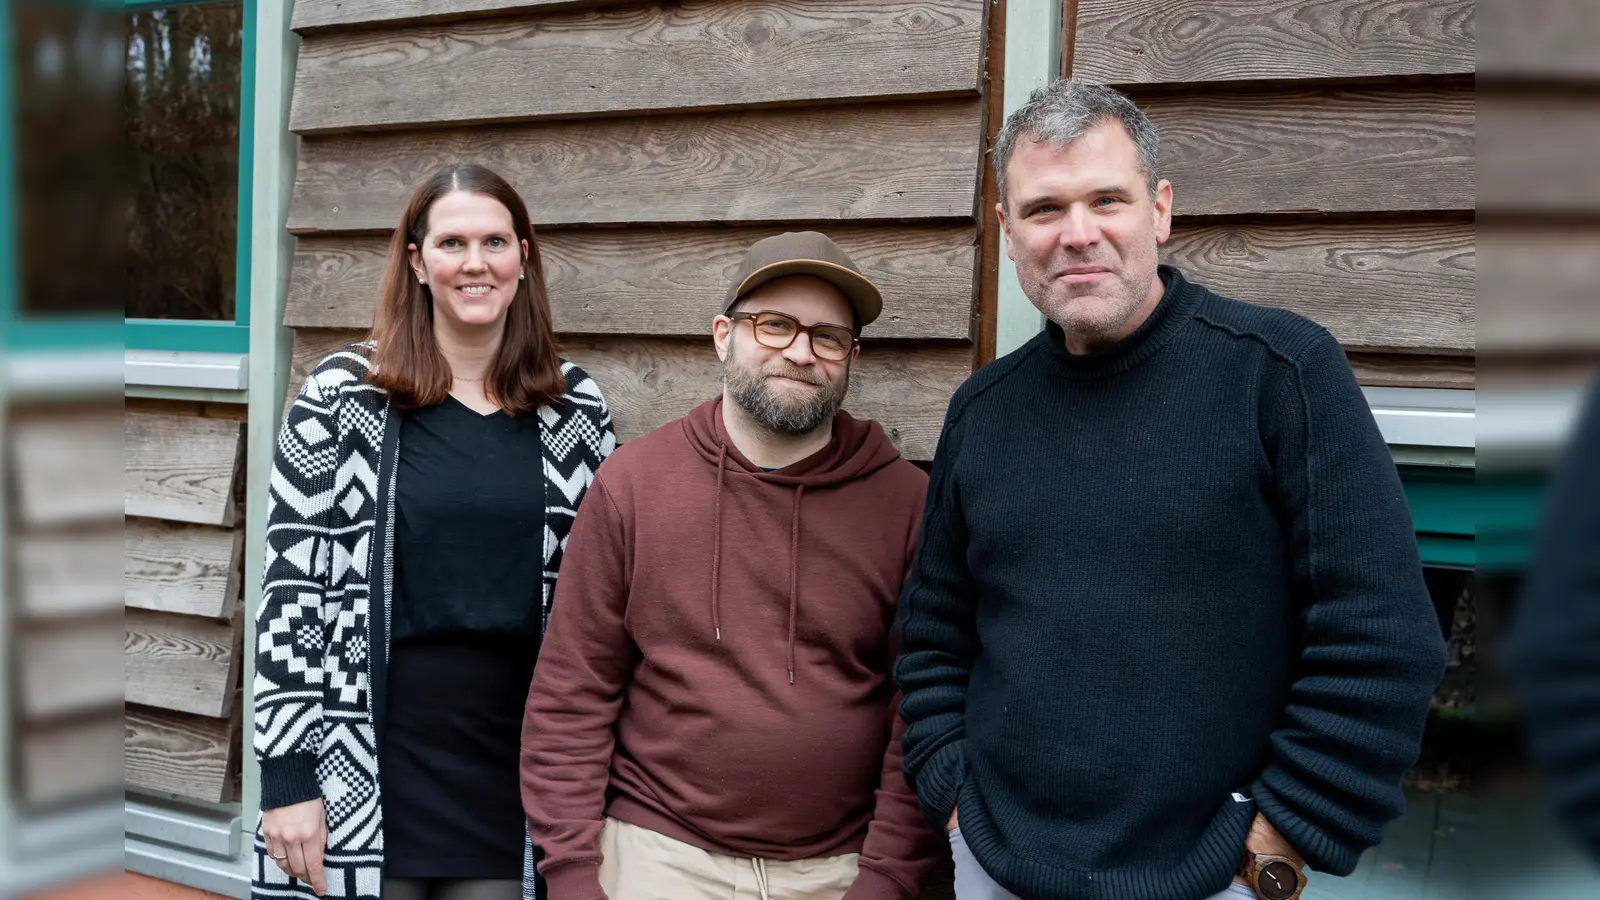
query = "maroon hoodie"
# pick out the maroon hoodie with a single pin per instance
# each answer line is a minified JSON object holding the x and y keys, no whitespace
{"x":717,"y":664}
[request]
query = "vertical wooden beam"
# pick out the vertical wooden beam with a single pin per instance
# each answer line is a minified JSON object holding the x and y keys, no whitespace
{"x":271,"y":258}
{"x":1033,"y":59}
{"x":989,"y":249}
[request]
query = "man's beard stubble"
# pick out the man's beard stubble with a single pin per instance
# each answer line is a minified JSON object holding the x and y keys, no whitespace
{"x":793,"y":416}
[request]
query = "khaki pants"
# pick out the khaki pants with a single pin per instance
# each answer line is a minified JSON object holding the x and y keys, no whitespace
{"x":639,"y":864}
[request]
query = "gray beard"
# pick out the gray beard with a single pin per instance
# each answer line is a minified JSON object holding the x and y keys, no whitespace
{"x":755,"y":395}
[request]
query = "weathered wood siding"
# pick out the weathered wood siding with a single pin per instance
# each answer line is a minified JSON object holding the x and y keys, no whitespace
{"x":65,"y":619}
{"x":181,"y":618}
{"x":1322,"y":158}
{"x":1540,"y":195}
{"x":653,"y":142}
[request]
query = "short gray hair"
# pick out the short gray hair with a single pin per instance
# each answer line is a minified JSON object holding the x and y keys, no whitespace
{"x":1063,"y":111}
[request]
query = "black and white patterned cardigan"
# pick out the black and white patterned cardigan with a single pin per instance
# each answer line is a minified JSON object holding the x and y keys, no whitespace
{"x":322,"y":629}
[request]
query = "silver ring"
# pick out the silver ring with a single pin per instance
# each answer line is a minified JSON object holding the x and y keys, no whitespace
{"x":283,"y":857}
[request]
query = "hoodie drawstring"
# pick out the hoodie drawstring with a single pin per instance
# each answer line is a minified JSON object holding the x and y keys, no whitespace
{"x":716,"y":546}
{"x":794,"y":574}
{"x":716,"y":561}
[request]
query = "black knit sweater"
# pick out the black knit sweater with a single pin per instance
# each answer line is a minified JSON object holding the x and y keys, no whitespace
{"x":1555,"y":646}
{"x":1162,"y":586}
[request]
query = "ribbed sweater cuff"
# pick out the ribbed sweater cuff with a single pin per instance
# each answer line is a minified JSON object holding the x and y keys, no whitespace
{"x":287,"y":780}
{"x":1321,"y":852}
{"x":578,"y":880}
{"x":939,"y":783}
{"x":870,"y":884}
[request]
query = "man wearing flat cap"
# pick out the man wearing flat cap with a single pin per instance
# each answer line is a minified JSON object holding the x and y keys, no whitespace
{"x":712,"y":714}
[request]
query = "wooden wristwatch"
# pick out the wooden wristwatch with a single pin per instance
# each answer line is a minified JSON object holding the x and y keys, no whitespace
{"x":1273,"y":877}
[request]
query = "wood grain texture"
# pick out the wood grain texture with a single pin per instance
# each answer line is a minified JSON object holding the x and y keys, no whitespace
{"x":317,"y":15}
{"x":883,"y":162}
{"x":71,"y":667}
{"x":1537,"y":153}
{"x":66,"y":465}
{"x":1384,"y":286}
{"x":664,"y":281}
{"x":1157,"y":41}
{"x":191,"y":569}
{"x":182,"y":468}
{"x":1539,"y":290}
{"x":648,"y":382}
{"x":72,"y":573}
{"x":72,"y":761}
{"x":192,"y":756}
{"x":1553,"y":40}
{"x":184,"y":663}
{"x":1368,"y":150}
{"x":706,"y":54}
{"x":1411,"y":370}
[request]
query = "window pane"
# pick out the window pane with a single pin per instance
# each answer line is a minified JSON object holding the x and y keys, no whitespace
{"x":68,"y":157}
{"x":183,"y":87}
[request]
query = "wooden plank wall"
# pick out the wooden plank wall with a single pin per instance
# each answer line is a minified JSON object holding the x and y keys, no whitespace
{"x":182,"y":618}
{"x":1322,"y":158}
{"x":653,"y":142}
{"x":63,"y":543}
{"x":1540,"y":195}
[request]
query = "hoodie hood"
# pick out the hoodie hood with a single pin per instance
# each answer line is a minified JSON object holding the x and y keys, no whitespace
{"x":857,"y":449}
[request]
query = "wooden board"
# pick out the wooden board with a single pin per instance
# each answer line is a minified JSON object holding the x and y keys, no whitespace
{"x":70,"y":668}
{"x":648,"y":382}
{"x":690,"y":55}
{"x":66,"y":574}
{"x":665,"y":282}
{"x":193,"y":569}
{"x":315,"y":15}
{"x":184,"y":663}
{"x":1405,"y":286}
{"x":1411,"y":370}
{"x":65,"y":466}
{"x":172,"y":752}
{"x":826,"y":165}
{"x":1552,"y":41}
{"x":1147,"y":41}
{"x":1538,"y":153}
{"x":1538,"y":291}
{"x":1343,"y":150}
{"x":182,"y":468}
{"x":73,"y":761}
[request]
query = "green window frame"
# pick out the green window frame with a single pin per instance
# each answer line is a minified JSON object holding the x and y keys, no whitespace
{"x":19,"y":334}
{"x":207,"y":336}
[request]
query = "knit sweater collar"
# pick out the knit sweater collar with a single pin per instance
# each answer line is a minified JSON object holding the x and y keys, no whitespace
{"x":1177,"y":306}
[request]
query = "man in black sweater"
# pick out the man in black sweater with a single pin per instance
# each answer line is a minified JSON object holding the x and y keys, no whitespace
{"x":1555,"y":645}
{"x":1166,"y":635}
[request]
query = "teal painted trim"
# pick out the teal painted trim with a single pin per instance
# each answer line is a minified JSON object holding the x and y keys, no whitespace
{"x":1444,"y":513}
{"x":74,"y":333}
{"x":142,"y":5}
{"x":1447,"y":551}
{"x":247,"y":154}
{"x":187,"y":335}
{"x":1510,"y":506}
{"x":1442,"y":499}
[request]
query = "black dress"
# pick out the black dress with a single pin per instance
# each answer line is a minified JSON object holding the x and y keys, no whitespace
{"x":469,"y":529}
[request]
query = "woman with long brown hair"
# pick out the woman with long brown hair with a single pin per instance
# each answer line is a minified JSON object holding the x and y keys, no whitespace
{"x":423,"y":487}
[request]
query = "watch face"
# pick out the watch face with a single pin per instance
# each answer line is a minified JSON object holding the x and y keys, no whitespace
{"x":1278,"y":881}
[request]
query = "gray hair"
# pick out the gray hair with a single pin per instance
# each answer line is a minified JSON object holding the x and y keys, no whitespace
{"x":1063,"y":111}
